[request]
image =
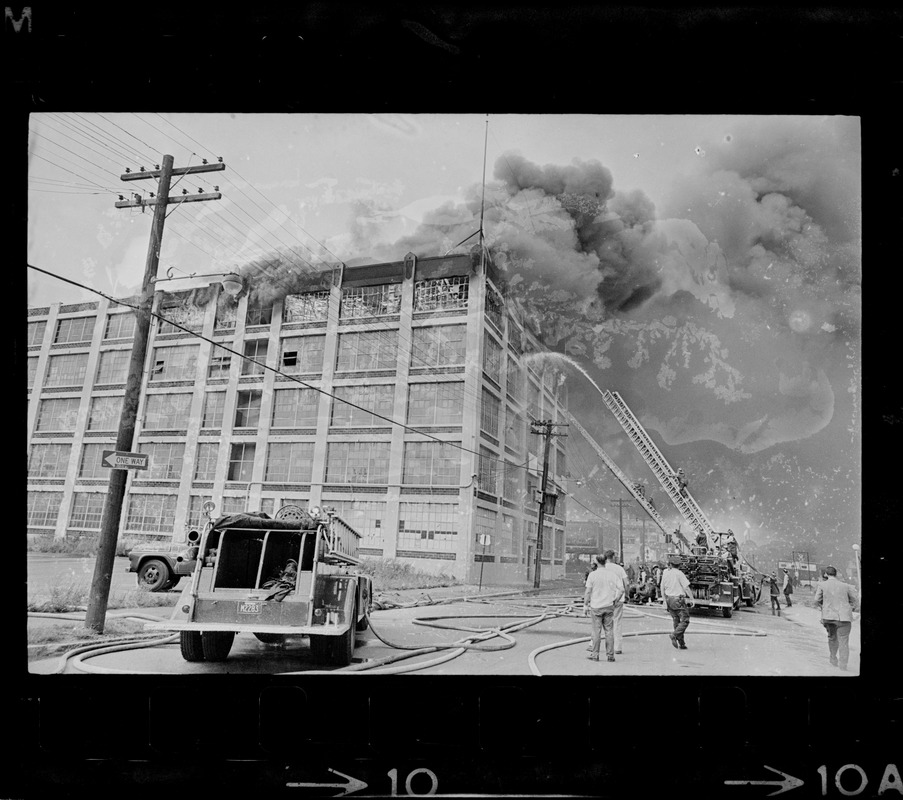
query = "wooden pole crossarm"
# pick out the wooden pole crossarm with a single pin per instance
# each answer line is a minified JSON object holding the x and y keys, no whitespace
{"x":155,"y":173}
{"x":185,"y":198}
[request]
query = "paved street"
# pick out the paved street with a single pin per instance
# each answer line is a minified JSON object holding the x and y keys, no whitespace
{"x":793,"y":644}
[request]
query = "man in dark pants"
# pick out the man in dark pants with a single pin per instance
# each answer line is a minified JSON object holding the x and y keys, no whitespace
{"x":678,"y":600}
{"x":838,"y":601}
{"x":775,"y":591}
{"x":787,"y":587}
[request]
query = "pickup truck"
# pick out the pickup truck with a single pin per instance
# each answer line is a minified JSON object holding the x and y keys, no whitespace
{"x":160,"y":569}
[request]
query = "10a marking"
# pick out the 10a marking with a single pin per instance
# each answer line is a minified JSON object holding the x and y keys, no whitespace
{"x":890,"y":780}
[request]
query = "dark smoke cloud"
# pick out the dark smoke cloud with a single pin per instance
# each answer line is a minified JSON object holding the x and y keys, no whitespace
{"x":728,"y":318}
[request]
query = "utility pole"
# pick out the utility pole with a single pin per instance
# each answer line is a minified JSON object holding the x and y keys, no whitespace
{"x":621,"y":503}
{"x":546,"y":431}
{"x":112,"y":510}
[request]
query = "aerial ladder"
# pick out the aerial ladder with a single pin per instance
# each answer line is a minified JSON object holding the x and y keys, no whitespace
{"x":660,"y":467}
{"x":711,"y":586}
{"x":630,"y":487}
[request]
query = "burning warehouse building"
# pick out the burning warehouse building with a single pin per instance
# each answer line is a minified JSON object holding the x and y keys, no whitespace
{"x":428,"y":342}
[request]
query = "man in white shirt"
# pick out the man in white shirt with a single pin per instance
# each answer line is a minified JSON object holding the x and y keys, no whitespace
{"x":612,"y":565}
{"x":603,"y":590}
{"x":678,"y":600}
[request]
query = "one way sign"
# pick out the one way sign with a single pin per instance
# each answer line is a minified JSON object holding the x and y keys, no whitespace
{"x":119,"y":460}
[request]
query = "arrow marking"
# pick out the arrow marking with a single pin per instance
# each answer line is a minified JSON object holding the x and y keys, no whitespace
{"x":786,"y":783}
{"x":352,"y":785}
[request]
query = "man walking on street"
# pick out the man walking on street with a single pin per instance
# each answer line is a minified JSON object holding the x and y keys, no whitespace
{"x":617,"y":569}
{"x":787,"y":588}
{"x":838,"y":601}
{"x":678,"y":600}
{"x":603,"y":590}
{"x":775,"y":593}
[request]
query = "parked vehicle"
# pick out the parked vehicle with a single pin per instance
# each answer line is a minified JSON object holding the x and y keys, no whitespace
{"x":272,"y":578}
{"x":160,"y":569}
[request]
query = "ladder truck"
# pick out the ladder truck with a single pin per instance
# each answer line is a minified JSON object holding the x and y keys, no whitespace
{"x":714,"y":579}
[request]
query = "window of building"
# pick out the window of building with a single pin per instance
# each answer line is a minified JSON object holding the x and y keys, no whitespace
{"x":255,"y":349}
{"x":105,"y":413}
{"x":370,"y":350}
{"x":241,"y":461}
{"x":226,"y":316}
{"x":494,"y":307}
{"x":174,"y":363}
{"x":180,"y":308}
{"x":151,"y":513}
{"x":306,"y":307}
{"x":489,"y":413}
{"x":49,"y":460}
{"x":167,"y":459}
{"x":167,"y":411}
{"x":357,"y":462}
{"x":214,"y":405}
{"x":365,"y":516}
{"x":513,"y":483}
{"x":509,"y":536}
{"x":68,"y":370}
{"x":32,"y":370}
{"x":259,"y":315}
{"x":120,"y":326}
{"x":431,"y":463}
{"x":295,"y":408}
{"x":220,"y":363}
{"x":438,"y":346}
{"x":533,"y":400}
{"x":289,"y":462}
{"x":515,"y":385}
{"x":113,"y":366}
{"x":195,"y":517}
{"x":36,"y":332}
{"x":77,"y":329}
{"x":267,"y":505}
{"x":488,"y":473}
{"x":302,"y":354}
{"x":561,"y":465}
{"x":371,"y":301}
{"x":379,"y":398}
{"x":485,"y":524}
{"x":247,"y":409}
{"x":436,"y":403}
{"x":91,"y":465}
{"x":515,"y":338}
{"x":87,"y":510}
{"x":428,"y":526}
{"x":492,"y":357}
{"x":42,"y":509}
{"x":205,"y":461}
{"x":58,"y":414}
{"x":234,"y":505}
{"x":441,"y":294}
{"x":515,"y":430}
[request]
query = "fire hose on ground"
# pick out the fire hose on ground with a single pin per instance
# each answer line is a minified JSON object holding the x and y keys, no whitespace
{"x":551,"y":608}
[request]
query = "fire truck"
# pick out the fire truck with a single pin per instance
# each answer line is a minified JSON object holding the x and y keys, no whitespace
{"x":719,"y":579}
{"x":296,"y":574}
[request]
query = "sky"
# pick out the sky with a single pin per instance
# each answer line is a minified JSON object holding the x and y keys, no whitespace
{"x":707,"y":268}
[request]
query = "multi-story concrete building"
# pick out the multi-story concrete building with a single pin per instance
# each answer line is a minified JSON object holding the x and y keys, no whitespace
{"x":429,"y":342}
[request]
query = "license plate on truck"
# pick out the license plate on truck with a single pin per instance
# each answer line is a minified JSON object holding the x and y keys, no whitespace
{"x":249,"y":607}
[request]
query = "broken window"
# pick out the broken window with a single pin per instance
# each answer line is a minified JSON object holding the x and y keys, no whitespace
{"x":441,"y":294}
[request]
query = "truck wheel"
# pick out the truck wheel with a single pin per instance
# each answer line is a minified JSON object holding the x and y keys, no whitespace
{"x":271,"y":638}
{"x":190,"y":645}
{"x":342,"y":649}
{"x":364,"y":622}
{"x":319,"y":648}
{"x":153,"y":575}
{"x":217,"y":644}
{"x":726,"y":612}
